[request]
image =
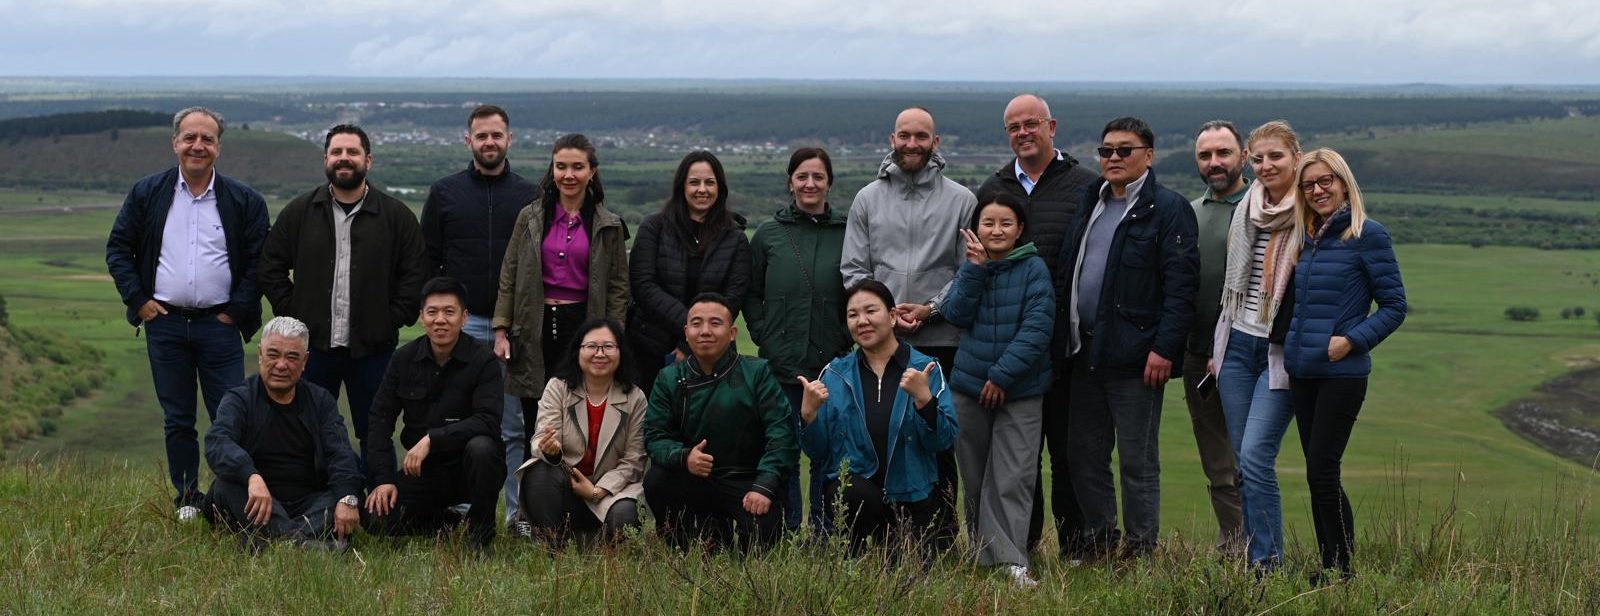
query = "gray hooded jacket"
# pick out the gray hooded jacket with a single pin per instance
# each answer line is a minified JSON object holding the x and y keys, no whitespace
{"x":905,"y":232}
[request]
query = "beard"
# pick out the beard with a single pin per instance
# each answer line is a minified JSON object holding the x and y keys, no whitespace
{"x":1226,"y":182}
{"x":489,"y":161}
{"x":357,"y":176}
{"x":899,"y":157}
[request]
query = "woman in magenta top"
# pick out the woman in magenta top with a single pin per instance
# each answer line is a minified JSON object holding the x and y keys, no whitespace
{"x":567,"y":263}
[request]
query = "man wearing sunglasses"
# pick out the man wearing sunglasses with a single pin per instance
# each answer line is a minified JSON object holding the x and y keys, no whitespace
{"x":448,"y":390}
{"x":1051,"y":183}
{"x":1128,"y":279}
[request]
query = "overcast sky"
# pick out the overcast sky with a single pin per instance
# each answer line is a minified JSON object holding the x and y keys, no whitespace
{"x":1331,"y":41}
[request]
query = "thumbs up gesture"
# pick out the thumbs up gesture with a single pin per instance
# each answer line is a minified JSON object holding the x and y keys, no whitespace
{"x":812,"y":395}
{"x":915,"y":383}
{"x":699,"y":462}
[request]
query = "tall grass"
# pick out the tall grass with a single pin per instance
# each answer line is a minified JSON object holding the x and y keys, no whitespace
{"x":98,"y":537}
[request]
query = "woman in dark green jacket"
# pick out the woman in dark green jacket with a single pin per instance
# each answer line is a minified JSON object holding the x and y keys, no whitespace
{"x":796,"y":295}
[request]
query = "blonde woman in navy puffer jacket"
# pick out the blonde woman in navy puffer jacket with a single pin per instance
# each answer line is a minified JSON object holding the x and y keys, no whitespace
{"x":1346,"y":264}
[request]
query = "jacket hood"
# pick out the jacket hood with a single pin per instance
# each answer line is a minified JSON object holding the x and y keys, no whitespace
{"x":792,"y":214}
{"x":912,"y":186}
{"x":1023,"y":252}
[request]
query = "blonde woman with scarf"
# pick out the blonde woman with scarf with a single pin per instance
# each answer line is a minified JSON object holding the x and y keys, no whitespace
{"x":1248,"y":347}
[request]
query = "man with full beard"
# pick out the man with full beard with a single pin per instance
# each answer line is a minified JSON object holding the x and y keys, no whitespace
{"x":904,"y":231}
{"x":355,"y":256}
{"x":466,"y":225}
{"x":1219,"y":152}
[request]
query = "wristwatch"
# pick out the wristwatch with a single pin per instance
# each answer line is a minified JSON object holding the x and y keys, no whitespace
{"x":933,"y":309}
{"x":351,"y":500}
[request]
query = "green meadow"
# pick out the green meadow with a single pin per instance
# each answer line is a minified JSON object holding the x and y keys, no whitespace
{"x":1454,"y":511}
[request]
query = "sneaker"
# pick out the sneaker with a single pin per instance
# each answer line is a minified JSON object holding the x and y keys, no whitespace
{"x":521,"y":529}
{"x":188,"y":513}
{"x":1020,"y":577}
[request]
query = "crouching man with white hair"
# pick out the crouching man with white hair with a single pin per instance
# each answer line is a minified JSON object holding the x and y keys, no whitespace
{"x":280,"y":452}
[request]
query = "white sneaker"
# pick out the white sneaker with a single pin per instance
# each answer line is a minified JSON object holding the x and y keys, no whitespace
{"x":188,"y":513}
{"x":1020,"y":577}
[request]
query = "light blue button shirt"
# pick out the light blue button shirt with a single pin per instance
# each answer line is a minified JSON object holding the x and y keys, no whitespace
{"x":1027,"y":182}
{"x":192,"y":270}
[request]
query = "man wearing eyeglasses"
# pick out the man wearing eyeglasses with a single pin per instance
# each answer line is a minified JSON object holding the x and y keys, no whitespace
{"x":1052,"y":184}
{"x":448,"y":389}
{"x":1129,"y":292}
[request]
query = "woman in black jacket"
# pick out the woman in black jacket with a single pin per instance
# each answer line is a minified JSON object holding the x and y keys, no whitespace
{"x":694,"y":245}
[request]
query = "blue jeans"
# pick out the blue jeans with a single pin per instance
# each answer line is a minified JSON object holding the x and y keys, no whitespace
{"x":182,"y":351}
{"x":510,"y":420}
{"x":820,"y":521}
{"x":360,"y":377}
{"x":1258,"y":417}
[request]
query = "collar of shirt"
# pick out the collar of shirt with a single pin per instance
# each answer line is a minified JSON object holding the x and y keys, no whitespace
{"x":1232,"y":199}
{"x":564,"y":218}
{"x":211,"y":185}
{"x":1131,"y":194}
{"x":1027,"y":182}
{"x":458,"y":353}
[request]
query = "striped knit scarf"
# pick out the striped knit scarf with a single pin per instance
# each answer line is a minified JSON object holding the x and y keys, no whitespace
{"x":1282,"y":250}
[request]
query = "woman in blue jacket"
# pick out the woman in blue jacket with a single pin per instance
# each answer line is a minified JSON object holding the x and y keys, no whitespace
{"x":1004,"y":303}
{"x":876,"y":420}
{"x":1346,"y":264}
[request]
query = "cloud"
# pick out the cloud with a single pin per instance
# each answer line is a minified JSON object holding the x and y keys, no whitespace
{"x":1133,"y":40}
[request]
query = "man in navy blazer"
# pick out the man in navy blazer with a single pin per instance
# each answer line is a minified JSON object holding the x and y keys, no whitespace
{"x":183,"y":255}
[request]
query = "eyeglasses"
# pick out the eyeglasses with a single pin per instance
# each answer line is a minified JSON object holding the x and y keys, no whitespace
{"x":599,"y":347}
{"x":1016,"y":128}
{"x":1326,"y":182}
{"x":1121,"y":152}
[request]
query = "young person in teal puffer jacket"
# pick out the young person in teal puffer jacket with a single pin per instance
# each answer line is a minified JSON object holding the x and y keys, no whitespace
{"x":1346,"y":264}
{"x":1003,"y":301}
{"x":875,"y":421}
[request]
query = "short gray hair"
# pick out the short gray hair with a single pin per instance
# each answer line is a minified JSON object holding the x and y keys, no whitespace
{"x":289,"y":328}
{"x":177,"y":118}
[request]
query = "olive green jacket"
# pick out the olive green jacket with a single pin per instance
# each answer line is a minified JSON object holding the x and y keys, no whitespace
{"x":519,"y":307}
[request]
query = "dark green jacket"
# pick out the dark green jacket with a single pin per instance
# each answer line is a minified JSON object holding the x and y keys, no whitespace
{"x":738,"y":410}
{"x":798,"y":323}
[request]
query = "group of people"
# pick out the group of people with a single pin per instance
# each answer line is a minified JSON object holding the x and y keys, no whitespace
{"x":925,"y":338}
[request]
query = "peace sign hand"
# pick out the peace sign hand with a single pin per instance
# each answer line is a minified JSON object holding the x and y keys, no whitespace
{"x":915,"y":383}
{"x":975,"y":253}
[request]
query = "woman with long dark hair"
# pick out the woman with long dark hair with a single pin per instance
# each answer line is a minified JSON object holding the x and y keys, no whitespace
{"x":694,"y":245}
{"x":567,"y":262}
{"x":587,"y":471}
{"x":796,"y":295}
{"x":1346,"y":265}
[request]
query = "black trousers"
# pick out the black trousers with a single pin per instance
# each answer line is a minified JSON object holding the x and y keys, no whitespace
{"x":549,"y":504}
{"x":689,"y":508}
{"x":555,"y":344}
{"x":1325,"y":411}
{"x":1068,"y":517}
{"x":307,"y":517}
{"x":472,"y":476}
{"x":944,"y":517}
{"x":869,"y":518}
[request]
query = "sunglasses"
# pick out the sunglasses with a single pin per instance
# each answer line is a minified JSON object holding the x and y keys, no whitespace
{"x":1121,"y":152}
{"x":1326,"y":182}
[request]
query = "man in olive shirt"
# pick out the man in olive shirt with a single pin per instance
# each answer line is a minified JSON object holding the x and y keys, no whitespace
{"x":1219,"y":153}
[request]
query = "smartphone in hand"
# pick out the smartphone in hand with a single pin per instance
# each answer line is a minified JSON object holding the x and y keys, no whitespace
{"x":1207,"y":387}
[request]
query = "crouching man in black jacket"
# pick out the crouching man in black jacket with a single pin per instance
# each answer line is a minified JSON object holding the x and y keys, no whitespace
{"x":280,"y":452}
{"x":448,"y":390}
